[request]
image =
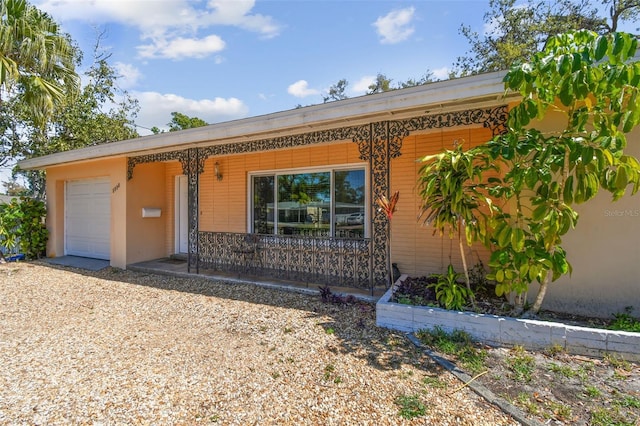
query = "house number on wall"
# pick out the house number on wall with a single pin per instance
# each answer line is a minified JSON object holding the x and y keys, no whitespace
{"x":115,"y":188}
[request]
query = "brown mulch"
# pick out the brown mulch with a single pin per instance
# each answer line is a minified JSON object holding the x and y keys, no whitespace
{"x":119,"y":347}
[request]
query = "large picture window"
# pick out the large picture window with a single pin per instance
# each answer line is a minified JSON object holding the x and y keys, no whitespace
{"x":328,"y":202}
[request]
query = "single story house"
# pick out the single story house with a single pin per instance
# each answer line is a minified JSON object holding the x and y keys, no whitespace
{"x":302,"y":185}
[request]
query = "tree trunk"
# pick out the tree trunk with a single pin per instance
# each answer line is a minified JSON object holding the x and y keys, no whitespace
{"x":540,"y":296}
{"x":464,"y":266}
{"x":518,"y":304}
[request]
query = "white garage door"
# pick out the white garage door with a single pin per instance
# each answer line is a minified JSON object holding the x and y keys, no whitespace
{"x":88,"y":218}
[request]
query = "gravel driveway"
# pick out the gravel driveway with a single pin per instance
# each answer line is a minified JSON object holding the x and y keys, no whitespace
{"x":119,"y":347}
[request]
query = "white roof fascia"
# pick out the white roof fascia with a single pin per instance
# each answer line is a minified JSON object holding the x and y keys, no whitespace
{"x":434,"y":97}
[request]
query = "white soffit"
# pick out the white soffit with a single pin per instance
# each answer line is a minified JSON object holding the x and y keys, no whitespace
{"x":478,"y":91}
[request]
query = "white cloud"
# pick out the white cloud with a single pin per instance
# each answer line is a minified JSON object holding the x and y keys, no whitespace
{"x":166,"y":24}
{"x":237,"y":13}
{"x":362,"y":85}
{"x":156,"y":109}
{"x":300,"y":89}
{"x":441,"y":73}
{"x":180,"y":48}
{"x":128,"y":74}
{"x":395,"y":26}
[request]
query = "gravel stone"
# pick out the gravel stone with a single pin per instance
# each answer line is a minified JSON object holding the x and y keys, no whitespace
{"x":120,"y":347}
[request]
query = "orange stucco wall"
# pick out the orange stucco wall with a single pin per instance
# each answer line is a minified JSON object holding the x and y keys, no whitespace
{"x":413,"y":245}
{"x":223,"y":203}
{"x":146,"y":235}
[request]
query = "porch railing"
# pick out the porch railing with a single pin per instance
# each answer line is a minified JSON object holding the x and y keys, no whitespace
{"x":343,"y":262}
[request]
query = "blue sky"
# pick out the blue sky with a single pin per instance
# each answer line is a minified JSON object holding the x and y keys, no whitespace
{"x":229,"y":59}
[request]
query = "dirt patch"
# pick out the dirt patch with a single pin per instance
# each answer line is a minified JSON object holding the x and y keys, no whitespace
{"x":553,"y":387}
{"x":550,"y":386}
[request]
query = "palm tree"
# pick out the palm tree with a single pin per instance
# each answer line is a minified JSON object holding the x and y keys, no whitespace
{"x":37,"y":61}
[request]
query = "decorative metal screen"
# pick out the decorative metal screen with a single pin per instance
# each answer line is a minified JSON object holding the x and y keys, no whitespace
{"x":341,"y":262}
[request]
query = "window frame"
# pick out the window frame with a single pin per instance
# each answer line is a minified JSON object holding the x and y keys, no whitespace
{"x":332,"y":169}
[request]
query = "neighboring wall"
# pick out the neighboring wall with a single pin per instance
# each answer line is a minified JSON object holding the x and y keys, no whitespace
{"x":604,"y":250}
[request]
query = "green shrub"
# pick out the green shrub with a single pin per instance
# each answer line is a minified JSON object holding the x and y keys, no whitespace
{"x":625,"y":322}
{"x":450,"y":293}
{"x":22,"y":227}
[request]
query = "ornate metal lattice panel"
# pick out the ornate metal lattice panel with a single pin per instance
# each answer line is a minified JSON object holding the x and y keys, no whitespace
{"x":378,"y":143}
{"x":314,"y":260}
{"x":132,"y":162}
{"x":193,"y":166}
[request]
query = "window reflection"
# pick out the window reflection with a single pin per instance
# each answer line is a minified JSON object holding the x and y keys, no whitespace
{"x":349,"y":203}
{"x":263,"y":202}
{"x":305,"y":204}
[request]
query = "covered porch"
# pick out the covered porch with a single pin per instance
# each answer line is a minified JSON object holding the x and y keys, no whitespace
{"x":232,"y":229}
{"x":258,"y":269}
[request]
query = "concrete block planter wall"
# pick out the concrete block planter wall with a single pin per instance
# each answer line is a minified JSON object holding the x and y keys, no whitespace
{"x":504,"y":331}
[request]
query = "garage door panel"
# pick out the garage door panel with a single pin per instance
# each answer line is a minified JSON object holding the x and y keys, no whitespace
{"x":88,"y":218}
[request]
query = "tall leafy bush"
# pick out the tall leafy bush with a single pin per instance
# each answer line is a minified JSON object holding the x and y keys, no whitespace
{"x":22,"y":227}
{"x":594,"y":83}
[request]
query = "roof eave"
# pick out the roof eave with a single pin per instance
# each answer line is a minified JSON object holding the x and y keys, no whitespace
{"x":479,"y":90}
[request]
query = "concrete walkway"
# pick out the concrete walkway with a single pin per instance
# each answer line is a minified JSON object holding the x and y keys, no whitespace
{"x":78,"y":262}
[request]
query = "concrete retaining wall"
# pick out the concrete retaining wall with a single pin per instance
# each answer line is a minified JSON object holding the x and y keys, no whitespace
{"x":505,"y":331}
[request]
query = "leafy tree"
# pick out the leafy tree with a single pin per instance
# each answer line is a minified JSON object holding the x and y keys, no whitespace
{"x":621,"y":10}
{"x":427,"y":78}
{"x":14,"y":189}
{"x":181,"y":121}
{"x":337,"y":91}
{"x":590,"y":80}
{"x":37,"y":61}
{"x":547,"y":173}
{"x":519,"y":30}
{"x":99,"y":114}
{"x":382,"y":84}
{"x":452,"y":195}
{"x":22,"y":226}
{"x":37,"y":71}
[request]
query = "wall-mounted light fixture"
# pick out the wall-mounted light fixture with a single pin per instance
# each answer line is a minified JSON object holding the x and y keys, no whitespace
{"x":218,"y":172}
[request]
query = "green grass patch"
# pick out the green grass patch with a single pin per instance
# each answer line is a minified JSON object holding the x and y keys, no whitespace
{"x":434,"y":382}
{"x":608,"y":417}
{"x":628,"y":401}
{"x":457,"y":343}
{"x":410,"y":406}
{"x":562,"y":370}
{"x":625,"y":322}
{"x":592,"y":391}
{"x":521,"y":364}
